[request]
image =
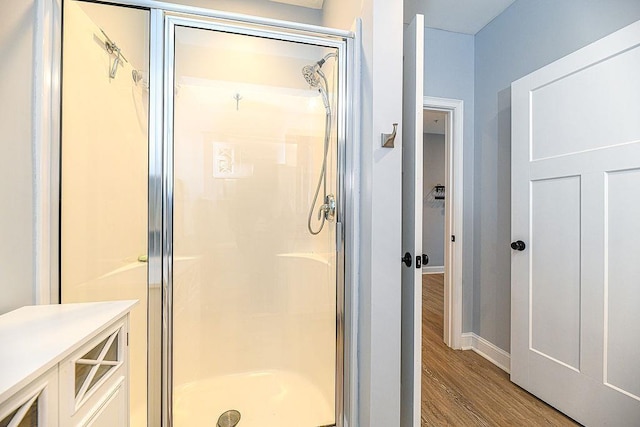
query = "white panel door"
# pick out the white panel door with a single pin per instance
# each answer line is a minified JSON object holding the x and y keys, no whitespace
{"x":575,"y":286}
{"x":412,"y":222}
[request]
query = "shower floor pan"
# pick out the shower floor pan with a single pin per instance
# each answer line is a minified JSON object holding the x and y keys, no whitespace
{"x":264,"y":399}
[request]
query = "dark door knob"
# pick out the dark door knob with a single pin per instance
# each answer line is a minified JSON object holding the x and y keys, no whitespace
{"x":407,"y":259}
{"x":518,"y":245}
{"x":425,"y":259}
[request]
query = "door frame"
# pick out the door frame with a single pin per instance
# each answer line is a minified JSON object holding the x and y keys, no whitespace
{"x":454,"y":202}
{"x":46,"y":140}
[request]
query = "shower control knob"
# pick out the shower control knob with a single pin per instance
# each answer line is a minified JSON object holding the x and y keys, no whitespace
{"x":407,"y":259}
{"x":518,"y":245}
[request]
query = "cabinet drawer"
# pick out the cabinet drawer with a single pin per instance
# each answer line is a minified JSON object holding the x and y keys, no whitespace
{"x":95,"y":379}
{"x":110,"y":410}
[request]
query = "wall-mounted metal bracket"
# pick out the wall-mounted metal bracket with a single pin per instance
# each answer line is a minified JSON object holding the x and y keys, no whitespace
{"x":388,"y":139}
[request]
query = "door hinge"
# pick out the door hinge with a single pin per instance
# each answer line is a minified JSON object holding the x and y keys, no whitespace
{"x":453,"y":238}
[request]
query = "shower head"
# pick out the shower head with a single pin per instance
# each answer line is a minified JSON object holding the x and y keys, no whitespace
{"x":315,"y":77}
{"x":310,"y":74}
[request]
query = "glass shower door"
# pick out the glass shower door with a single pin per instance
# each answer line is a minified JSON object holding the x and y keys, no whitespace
{"x":253,"y":288}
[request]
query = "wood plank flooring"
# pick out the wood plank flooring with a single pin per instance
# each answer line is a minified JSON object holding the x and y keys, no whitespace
{"x":461,"y":388}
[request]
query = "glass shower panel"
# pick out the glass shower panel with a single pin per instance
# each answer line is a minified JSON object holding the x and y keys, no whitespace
{"x":104,"y":170}
{"x":254,"y":292}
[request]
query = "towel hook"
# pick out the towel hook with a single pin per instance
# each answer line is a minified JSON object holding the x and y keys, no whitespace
{"x":388,"y":139}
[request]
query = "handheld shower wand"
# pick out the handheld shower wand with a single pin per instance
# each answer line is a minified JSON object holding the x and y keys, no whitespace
{"x":317,"y":79}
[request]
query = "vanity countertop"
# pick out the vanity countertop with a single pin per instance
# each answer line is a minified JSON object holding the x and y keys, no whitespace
{"x":35,"y":338}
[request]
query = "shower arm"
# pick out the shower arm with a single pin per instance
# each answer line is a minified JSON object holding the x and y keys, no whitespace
{"x":327,"y":56}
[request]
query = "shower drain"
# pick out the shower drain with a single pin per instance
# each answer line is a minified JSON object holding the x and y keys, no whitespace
{"x":229,"y":418}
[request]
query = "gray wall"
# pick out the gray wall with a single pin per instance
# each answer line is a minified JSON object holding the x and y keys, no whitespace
{"x":16,"y":183}
{"x":527,"y":36}
{"x":433,"y":170}
{"x":449,"y":73}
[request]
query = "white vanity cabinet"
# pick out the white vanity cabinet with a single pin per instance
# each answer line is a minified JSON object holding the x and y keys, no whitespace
{"x":65,"y":365}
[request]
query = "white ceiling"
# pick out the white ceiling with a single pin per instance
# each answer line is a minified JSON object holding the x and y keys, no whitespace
{"x":460,"y":16}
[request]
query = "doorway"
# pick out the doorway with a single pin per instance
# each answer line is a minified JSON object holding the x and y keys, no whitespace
{"x":434,"y":170}
{"x":434,"y":191}
{"x":442,"y":205}
{"x":208,"y":181}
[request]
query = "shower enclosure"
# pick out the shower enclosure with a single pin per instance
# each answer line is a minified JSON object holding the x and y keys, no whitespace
{"x":245,"y":273}
{"x":253,"y":290}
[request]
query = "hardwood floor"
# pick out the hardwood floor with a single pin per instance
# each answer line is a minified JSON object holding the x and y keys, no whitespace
{"x":461,"y":388}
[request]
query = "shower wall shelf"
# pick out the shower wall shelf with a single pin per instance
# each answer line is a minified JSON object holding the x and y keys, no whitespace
{"x":43,"y":347}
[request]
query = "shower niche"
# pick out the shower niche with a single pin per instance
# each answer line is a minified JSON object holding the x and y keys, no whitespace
{"x":211,"y":188}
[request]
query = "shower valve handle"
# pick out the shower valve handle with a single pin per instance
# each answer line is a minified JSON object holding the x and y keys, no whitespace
{"x":328,"y":208}
{"x":324,"y":209}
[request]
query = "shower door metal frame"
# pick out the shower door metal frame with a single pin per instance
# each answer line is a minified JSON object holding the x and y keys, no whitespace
{"x":47,"y":106}
{"x":281,"y":32}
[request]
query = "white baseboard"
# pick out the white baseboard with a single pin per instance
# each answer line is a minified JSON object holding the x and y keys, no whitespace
{"x":489,"y":351}
{"x":434,"y":269}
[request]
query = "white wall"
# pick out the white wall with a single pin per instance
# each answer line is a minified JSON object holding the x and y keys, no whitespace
{"x":433,"y":172}
{"x":449,"y":73}
{"x":341,"y":13}
{"x":16,"y":157}
{"x":380,"y":208}
{"x":527,"y":36}
{"x":381,"y":214}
